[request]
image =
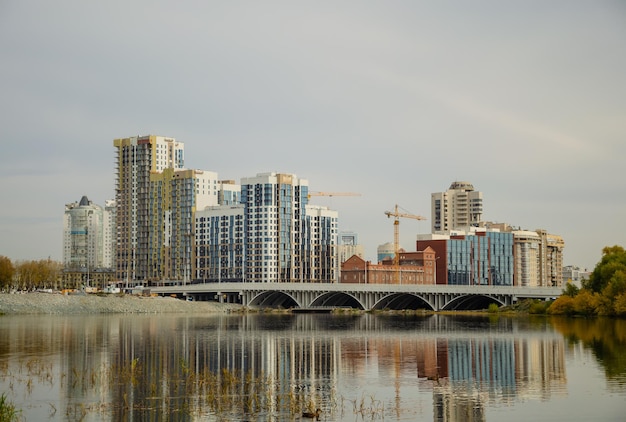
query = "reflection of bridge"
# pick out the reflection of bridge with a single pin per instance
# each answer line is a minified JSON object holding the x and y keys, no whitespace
{"x":358,"y":296}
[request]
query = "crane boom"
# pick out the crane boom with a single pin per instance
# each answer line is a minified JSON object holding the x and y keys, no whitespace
{"x":404,"y":215}
{"x":333,"y":194}
{"x":396,"y":235}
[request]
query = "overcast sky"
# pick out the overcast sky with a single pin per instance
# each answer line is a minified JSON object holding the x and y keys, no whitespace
{"x":392,"y":100}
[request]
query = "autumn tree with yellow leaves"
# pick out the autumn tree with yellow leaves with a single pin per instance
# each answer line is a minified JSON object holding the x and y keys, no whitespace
{"x":604,"y":293}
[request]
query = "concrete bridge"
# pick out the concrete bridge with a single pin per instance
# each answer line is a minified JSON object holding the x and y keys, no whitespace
{"x":357,"y":296}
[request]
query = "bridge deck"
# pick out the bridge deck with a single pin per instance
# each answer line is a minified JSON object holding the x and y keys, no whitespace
{"x":365,"y":296}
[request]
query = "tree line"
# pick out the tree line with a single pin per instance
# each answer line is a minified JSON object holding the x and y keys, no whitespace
{"x":29,"y":275}
{"x":604,"y":293}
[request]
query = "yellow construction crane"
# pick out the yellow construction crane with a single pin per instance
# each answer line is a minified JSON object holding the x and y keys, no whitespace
{"x":332,"y":194}
{"x":396,"y":235}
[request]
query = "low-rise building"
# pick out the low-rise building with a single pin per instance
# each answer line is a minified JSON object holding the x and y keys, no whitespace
{"x":80,"y":278}
{"x":415,"y":268}
{"x":575,"y":275}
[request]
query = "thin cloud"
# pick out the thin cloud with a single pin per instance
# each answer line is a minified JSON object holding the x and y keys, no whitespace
{"x":516,"y":123}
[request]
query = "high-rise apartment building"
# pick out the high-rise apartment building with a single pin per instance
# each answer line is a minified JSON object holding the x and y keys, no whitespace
{"x":179,"y":225}
{"x":175,"y":195}
{"x":138,"y":160}
{"x":457,"y":208}
{"x":286,"y":241}
{"x":551,"y":263}
{"x":220,"y":243}
{"x":109,"y":231}
{"x":272,"y":235}
{"x":320,"y":245}
{"x":349,"y":246}
{"x":527,"y":258}
{"x":87,"y":236}
{"x":219,"y":237}
{"x":229,"y":193}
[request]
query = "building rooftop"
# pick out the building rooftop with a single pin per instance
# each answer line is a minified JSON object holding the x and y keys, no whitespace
{"x":460,"y":185}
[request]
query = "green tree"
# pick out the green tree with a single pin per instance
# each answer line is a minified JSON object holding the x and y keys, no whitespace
{"x":616,"y":285}
{"x":7,"y":272}
{"x":571,"y":290}
{"x":613,"y":260}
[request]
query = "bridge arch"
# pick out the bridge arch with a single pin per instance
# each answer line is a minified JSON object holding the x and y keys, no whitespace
{"x":338,"y":299}
{"x":403,"y":301}
{"x":470,"y":302}
{"x":274,"y":299}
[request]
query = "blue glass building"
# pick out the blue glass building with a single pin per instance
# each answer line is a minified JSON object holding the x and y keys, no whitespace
{"x":483,"y":258}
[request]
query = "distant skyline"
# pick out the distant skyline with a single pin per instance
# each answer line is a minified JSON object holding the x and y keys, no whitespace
{"x":524,"y":99}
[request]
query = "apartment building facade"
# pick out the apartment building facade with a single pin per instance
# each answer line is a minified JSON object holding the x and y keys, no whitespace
{"x":286,"y":239}
{"x":179,"y":225}
{"x":457,"y":208}
{"x":138,"y":160}
{"x":320,"y":254}
{"x":348,"y":245}
{"x":87,"y":243}
{"x":220,"y":244}
{"x":109,"y":233}
{"x":83,"y":235}
{"x":538,"y":255}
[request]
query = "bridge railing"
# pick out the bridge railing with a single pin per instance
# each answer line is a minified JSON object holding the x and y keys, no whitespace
{"x":349,"y":287}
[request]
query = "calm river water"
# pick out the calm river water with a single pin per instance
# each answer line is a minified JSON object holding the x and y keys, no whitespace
{"x":372,"y":367}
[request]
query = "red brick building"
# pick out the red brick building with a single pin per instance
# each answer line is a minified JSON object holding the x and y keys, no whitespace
{"x":415,"y":268}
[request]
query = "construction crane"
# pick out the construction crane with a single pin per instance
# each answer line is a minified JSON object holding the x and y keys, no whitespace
{"x":332,"y":194}
{"x":396,"y":235}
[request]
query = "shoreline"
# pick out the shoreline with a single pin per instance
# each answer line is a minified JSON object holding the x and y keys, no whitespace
{"x":74,"y":304}
{"x":43,"y":303}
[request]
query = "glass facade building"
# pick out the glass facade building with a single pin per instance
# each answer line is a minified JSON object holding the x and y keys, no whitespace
{"x":501,"y":258}
{"x":485,"y":258}
{"x":460,"y":260}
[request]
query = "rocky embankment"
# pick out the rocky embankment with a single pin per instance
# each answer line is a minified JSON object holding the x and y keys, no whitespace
{"x":54,"y":303}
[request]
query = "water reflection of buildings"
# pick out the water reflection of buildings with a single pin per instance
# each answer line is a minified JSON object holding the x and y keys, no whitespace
{"x":466,"y":371}
{"x":305,"y":356}
{"x":496,"y":369}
